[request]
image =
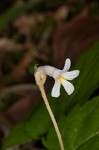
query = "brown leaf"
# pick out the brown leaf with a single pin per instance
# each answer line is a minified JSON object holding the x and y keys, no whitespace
{"x":74,"y":37}
{"x":19,"y":109}
{"x":61,"y":13}
{"x":24,"y":23}
{"x":9,"y":45}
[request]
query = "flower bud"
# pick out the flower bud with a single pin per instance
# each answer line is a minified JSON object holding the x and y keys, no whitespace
{"x":40,"y":77}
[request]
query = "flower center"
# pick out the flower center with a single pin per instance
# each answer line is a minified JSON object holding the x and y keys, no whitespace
{"x":60,"y":78}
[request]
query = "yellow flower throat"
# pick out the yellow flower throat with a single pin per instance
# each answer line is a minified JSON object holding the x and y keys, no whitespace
{"x":60,"y":78}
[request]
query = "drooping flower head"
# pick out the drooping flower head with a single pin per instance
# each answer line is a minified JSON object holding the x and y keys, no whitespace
{"x":61,"y":77}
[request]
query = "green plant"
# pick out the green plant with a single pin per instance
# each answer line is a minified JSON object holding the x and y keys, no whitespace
{"x":77,"y":115}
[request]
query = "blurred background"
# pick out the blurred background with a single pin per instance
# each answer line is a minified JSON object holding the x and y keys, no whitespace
{"x":43,"y":32}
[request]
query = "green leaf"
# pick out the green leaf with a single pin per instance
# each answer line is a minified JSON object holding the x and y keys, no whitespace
{"x":10,"y":14}
{"x":18,"y":135}
{"x":79,"y":129}
{"x":88,"y":80}
{"x":92,"y":144}
{"x":38,"y":122}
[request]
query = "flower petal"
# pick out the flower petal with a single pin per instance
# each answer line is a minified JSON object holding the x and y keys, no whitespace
{"x":56,"y":73}
{"x":67,"y":64}
{"x":71,"y":74}
{"x":56,"y":89}
{"x":69,"y":88}
{"x":49,"y":70}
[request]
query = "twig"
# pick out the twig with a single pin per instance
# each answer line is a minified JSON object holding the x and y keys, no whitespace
{"x":33,"y":53}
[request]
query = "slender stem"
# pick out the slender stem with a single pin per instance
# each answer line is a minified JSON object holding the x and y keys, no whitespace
{"x":52,"y":116}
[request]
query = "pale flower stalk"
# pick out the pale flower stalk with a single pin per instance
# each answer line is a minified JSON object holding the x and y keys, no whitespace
{"x":61,"y":77}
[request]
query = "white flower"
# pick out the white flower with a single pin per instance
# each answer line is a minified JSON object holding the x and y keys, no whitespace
{"x":61,"y":77}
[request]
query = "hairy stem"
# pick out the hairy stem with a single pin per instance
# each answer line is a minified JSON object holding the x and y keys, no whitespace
{"x":41,"y":87}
